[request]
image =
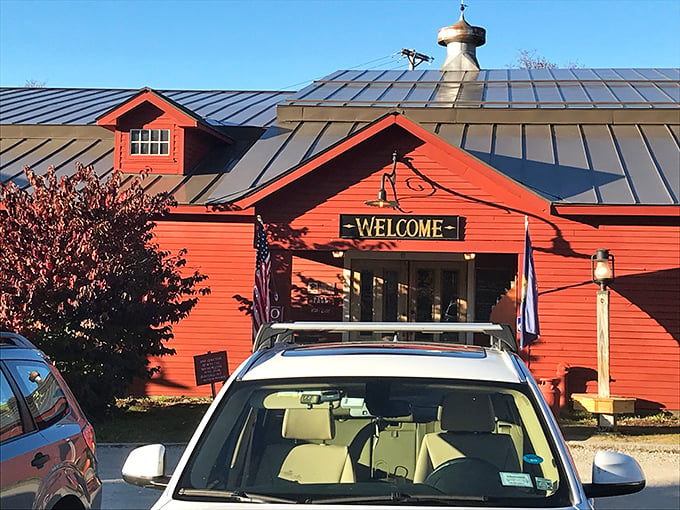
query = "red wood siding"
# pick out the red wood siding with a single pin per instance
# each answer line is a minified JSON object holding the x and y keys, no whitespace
{"x":224,"y":251}
{"x":645,"y":328}
{"x":645,"y":297}
{"x":148,"y":116}
{"x":196,"y":144}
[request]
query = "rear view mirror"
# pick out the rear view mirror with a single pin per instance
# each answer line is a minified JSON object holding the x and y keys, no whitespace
{"x":318,"y":397}
{"x":145,"y":467}
{"x":614,"y":474}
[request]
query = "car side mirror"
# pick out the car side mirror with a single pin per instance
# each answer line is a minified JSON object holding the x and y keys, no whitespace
{"x":145,"y":467}
{"x":614,"y":474}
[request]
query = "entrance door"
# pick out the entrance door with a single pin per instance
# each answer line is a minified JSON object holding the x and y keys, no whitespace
{"x":378,"y":291}
{"x":437,"y":293}
{"x":414,"y":291}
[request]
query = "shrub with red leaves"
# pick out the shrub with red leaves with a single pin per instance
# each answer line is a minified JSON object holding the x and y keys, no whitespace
{"x":82,"y":276}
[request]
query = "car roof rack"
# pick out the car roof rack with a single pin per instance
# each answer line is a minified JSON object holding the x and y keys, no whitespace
{"x":501,"y":336}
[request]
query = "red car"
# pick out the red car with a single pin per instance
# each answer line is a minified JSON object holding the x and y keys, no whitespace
{"x":47,"y":445}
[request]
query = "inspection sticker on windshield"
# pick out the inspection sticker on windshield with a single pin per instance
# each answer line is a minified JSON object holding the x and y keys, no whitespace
{"x":516,"y":479}
{"x":532,"y":458}
{"x":544,"y":484}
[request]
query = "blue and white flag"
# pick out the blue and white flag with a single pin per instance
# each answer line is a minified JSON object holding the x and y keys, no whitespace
{"x":528,"y":317}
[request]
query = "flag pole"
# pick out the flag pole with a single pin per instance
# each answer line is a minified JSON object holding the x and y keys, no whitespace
{"x":524,"y":289}
{"x":529,"y":356}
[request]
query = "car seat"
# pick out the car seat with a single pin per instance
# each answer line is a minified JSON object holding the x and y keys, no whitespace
{"x":468,"y":423}
{"x":314,"y":461}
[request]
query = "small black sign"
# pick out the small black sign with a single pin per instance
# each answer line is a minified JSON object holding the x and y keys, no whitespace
{"x":370,"y":226}
{"x":211,"y":367}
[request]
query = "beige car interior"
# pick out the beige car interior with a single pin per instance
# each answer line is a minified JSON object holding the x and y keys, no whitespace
{"x":312,"y":461}
{"x":325,"y":444}
{"x":469,"y":430}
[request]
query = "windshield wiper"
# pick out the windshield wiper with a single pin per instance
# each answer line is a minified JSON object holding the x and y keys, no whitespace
{"x":400,"y":497}
{"x":234,"y":496}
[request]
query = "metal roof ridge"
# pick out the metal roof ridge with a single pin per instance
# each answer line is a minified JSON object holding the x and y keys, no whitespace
{"x":508,"y":80}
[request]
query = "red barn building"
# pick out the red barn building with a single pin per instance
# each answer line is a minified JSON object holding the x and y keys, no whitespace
{"x":590,"y":156}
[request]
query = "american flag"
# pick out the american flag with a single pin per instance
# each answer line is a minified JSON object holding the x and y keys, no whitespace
{"x":263,"y":267}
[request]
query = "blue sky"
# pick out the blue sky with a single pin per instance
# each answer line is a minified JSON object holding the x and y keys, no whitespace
{"x":285,"y":44}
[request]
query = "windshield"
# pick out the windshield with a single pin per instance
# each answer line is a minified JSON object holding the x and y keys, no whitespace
{"x":366,"y":440}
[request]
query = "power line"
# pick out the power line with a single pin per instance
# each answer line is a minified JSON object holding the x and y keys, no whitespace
{"x":384,"y":59}
{"x":413,"y":57}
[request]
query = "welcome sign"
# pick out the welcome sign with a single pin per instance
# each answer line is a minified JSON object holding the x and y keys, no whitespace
{"x":370,"y":226}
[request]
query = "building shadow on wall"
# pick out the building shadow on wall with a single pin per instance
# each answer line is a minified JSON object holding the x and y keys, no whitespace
{"x":560,"y":245}
{"x":584,"y":380}
{"x":578,"y":379}
{"x":657,"y":293}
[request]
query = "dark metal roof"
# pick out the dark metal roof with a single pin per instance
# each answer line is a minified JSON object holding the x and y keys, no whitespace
{"x":83,"y":106}
{"x":499,"y":88}
{"x":589,"y":136}
{"x":571,"y":163}
{"x":63,"y":146}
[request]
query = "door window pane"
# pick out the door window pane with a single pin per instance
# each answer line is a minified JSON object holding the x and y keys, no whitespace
{"x":366,"y":296}
{"x":424,"y":300}
{"x":391,"y":293}
{"x":449,"y":296}
{"x":424,"y":295}
{"x":45,"y":398}
{"x":450,"y":311}
{"x":10,"y":419}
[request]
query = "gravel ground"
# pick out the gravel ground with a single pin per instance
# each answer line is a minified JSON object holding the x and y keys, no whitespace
{"x":660,"y":463}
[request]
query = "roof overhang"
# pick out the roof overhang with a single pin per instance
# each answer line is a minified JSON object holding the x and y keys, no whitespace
{"x":184,"y":117}
{"x":479,"y":115}
{"x":468,"y":166}
{"x":629,"y":210}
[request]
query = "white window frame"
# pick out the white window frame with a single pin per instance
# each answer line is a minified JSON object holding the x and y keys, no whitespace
{"x":149,"y":142}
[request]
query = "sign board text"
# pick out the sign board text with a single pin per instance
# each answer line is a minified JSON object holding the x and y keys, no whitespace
{"x":211,"y":367}
{"x":370,"y":226}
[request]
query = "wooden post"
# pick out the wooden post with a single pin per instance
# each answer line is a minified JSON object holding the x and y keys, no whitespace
{"x":606,"y":422}
{"x":603,"y":343}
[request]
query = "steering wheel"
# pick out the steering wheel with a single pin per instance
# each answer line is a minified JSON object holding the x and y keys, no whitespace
{"x":466,"y":476}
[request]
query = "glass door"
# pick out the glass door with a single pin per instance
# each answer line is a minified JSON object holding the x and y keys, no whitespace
{"x":414,"y":291}
{"x":378,"y":292}
{"x":437,"y":293}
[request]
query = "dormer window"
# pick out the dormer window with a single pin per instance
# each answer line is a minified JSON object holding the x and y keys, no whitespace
{"x":155,"y":133}
{"x":150,"y":141}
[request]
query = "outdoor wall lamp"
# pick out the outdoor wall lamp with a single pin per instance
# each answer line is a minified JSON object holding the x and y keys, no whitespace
{"x":602,"y":268}
{"x":382,"y":200}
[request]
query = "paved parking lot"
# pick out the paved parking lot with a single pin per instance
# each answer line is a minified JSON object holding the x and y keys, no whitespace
{"x":661,"y":466}
{"x":118,"y":495}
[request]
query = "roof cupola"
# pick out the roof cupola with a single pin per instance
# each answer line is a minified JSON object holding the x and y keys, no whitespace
{"x":461,"y":41}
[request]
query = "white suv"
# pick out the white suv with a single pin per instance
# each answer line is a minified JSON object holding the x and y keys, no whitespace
{"x":380,"y":414}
